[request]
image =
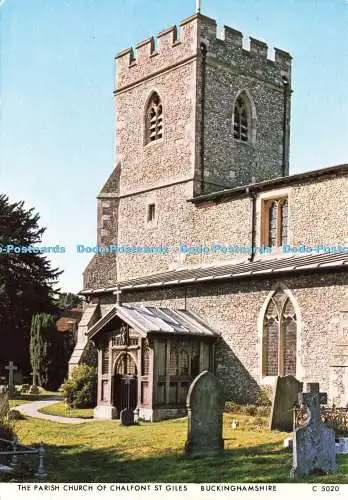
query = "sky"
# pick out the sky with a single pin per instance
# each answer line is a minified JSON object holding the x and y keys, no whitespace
{"x":57,"y":107}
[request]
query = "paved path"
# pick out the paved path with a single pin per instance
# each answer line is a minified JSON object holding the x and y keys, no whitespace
{"x":31,"y":410}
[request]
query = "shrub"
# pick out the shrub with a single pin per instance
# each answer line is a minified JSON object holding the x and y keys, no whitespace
{"x":49,"y":351}
{"x":80,"y":391}
{"x":6,"y":428}
{"x":265,"y":396}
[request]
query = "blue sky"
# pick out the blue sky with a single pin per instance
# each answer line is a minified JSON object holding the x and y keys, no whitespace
{"x":57,"y":79}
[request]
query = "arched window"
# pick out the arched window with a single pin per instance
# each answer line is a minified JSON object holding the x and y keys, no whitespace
{"x":154,"y":119}
{"x":279,"y":337}
{"x":126,"y":365}
{"x":244,"y":119}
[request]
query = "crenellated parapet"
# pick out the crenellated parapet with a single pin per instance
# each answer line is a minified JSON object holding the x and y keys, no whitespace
{"x":228,"y":47}
{"x":174,"y":46}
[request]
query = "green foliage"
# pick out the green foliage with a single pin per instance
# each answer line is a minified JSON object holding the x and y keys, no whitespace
{"x":48,"y":351}
{"x":6,"y":426}
{"x":68,"y":301}
{"x":265,"y":396}
{"x":80,"y":391}
{"x":252,"y":410}
{"x":26,"y":281}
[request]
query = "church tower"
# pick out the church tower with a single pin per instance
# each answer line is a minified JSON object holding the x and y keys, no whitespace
{"x":195,"y":113}
{"x":202,"y":107}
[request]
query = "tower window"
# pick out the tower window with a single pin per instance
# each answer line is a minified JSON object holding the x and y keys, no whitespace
{"x":275,"y":222}
{"x":154,"y":119}
{"x":241,"y":120}
{"x":151,"y":212}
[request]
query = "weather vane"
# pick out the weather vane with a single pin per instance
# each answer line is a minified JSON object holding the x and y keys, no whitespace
{"x":198,"y":6}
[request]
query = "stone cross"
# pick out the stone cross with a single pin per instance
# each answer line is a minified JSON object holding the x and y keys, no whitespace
{"x":34,"y":388}
{"x":313,"y":444}
{"x":11,"y":369}
{"x":118,"y":292}
{"x":312,"y":400}
{"x":198,"y":6}
{"x":205,"y":405}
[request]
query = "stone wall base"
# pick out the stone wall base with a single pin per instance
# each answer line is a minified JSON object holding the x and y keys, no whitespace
{"x":105,"y":412}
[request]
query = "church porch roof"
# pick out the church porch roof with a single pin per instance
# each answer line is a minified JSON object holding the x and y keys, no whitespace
{"x":161,"y":320}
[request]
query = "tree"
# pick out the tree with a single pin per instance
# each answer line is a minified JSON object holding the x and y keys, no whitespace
{"x":68,"y":301}
{"x":26,"y":280}
{"x":48,"y":351}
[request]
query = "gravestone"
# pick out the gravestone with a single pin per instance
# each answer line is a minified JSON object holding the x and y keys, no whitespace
{"x":314,"y":443}
{"x":127,"y":417}
{"x":11,"y":369}
{"x":285,"y":398}
{"x":205,"y":405}
{"x":34,"y":388}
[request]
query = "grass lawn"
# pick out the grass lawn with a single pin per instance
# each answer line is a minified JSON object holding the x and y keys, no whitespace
{"x":62,"y":411}
{"x":153,"y":452}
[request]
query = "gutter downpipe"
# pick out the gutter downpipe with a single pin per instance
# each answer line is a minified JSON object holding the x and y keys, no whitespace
{"x":253,"y":226}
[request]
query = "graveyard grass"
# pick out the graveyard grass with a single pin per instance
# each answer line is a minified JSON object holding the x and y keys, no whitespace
{"x":62,"y":410}
{"x":153,"y":452}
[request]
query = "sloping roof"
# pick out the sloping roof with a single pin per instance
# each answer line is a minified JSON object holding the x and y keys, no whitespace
{"x":247,"y":189}
{"x":154,"y":320}
{"x":258,"y":268}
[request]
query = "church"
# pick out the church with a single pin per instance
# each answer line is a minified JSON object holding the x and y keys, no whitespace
{"x":210,"y":255}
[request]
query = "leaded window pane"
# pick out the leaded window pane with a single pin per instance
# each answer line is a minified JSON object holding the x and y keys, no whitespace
{"x":284,"y":222}
{"x":272,"y":228}
{"x":279,"y":337}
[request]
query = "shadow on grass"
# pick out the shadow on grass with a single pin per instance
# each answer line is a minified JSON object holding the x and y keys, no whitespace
{"x":253,"y":464}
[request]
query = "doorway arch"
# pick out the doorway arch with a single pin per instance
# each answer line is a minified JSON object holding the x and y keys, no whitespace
{"x":125,"y":382}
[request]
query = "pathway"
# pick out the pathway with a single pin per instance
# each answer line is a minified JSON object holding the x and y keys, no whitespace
{"x":31,"y":410}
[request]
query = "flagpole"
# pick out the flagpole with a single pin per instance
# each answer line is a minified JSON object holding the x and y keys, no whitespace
{"x":198,"y":6}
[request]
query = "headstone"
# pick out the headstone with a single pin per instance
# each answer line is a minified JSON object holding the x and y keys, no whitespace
{"x":342,"y":446}
{"x":314,"y":443}
{"x":205,"y":405}
{"x":14,"y":414}
{"x":11,"y":369}
{"x":34,"y":388}
{"x":284,"y":399}
{"x":127,"y":417}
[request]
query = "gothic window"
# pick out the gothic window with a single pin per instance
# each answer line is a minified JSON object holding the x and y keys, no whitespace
{"x":244,"y":119}
{"x":126,"y":365}
{"x":154,"y":119}
{"x":240,"y":120}
{"x":279,"y":337}
{"x":275,"y":222}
